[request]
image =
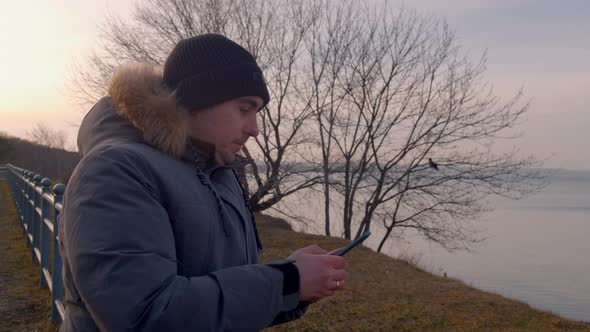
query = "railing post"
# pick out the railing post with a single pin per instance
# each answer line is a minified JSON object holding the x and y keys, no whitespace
{"x":44,"y":232}
{"x":56,"y":278}
{"x":28,"y":206}
{"x":36,"y":216}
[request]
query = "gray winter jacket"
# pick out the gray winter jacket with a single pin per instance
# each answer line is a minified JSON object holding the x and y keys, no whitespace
{"x":152,"y":237}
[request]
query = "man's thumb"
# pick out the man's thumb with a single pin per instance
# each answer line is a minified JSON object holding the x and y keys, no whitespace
{"x":314,"y":249}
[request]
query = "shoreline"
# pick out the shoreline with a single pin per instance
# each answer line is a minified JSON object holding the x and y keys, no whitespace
{"x":385,"y":293}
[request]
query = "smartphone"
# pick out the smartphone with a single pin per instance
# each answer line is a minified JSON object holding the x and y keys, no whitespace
{"x":354,"y":243}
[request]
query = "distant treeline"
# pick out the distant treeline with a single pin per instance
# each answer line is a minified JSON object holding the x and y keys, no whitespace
{"x":56,"y":164}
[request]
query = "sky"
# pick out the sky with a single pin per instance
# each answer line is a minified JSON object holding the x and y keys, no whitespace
{"x":541,"y":46}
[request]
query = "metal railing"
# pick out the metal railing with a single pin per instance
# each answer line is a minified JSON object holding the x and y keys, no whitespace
{"x":38,"y":209}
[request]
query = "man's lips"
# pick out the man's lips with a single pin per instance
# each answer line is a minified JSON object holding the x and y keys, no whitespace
{"x":239,"y":145}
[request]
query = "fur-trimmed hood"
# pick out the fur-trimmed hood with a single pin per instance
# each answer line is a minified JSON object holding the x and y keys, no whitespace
{"x":151,"y":114}
{"x":138,"y":96}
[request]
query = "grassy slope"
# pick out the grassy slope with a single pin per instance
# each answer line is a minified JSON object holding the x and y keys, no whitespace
{"x":382,"y":294}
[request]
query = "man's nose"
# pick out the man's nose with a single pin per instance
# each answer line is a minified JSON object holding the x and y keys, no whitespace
{"x":251,"y":128}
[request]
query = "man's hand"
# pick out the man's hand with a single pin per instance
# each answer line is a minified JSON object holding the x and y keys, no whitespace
{"x":321,"y":273}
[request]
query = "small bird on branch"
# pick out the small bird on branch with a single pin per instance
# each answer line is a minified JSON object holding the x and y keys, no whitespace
{"x":432,"y":164}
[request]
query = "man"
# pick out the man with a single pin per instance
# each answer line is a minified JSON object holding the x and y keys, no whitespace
{"x":156,"y":234}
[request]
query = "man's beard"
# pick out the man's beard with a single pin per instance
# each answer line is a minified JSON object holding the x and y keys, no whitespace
{"x":208,"y":151}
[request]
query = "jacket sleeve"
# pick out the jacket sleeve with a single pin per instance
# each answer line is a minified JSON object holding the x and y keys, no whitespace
{"x":121,"y":250}
{"x":291,"y":315}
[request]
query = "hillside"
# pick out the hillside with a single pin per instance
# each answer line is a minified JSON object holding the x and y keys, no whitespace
{"x":56,"y":164}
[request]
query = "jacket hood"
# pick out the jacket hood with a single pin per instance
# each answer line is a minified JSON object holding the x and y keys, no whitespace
{"x":137,"y":96}
{"x":102,"y":125}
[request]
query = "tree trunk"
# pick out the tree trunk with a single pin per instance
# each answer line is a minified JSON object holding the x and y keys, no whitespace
{"x":327,"y":200}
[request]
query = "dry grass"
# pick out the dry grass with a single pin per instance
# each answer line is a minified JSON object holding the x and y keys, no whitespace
{"x":23,"y":305}
{"x":382,"y":294}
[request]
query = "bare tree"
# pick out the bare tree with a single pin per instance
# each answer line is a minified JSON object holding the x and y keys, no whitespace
{"x":410,"y":95}
{"x":276,"y":33}
{"x":331,"y":34}
{"x":44,"y":135}
{"x":54,"y":142}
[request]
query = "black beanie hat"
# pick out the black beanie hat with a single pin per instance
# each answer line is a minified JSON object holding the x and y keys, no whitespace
{"x":209,"y":69}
